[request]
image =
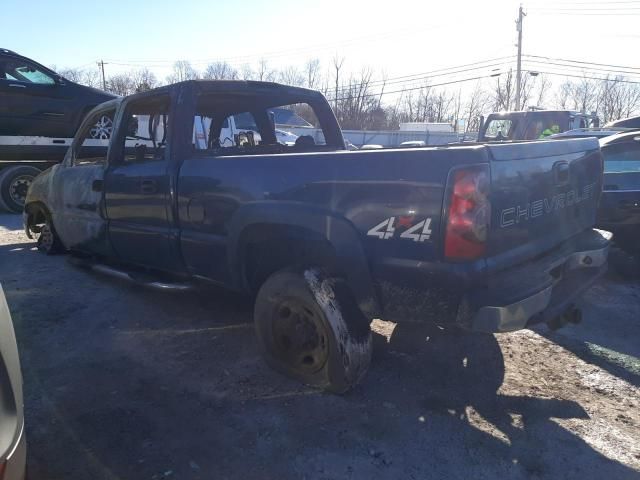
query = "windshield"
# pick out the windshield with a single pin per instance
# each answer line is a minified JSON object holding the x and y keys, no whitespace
{"x":622,"y":157}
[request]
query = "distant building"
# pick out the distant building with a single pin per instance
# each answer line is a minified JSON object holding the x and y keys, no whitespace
{"x":425,"y":127}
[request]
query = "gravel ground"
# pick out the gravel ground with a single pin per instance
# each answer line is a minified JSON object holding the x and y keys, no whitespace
{"x":125,"y":383}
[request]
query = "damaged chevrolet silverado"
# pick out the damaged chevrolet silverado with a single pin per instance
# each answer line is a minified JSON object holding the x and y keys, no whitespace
{"x":491,"y":238}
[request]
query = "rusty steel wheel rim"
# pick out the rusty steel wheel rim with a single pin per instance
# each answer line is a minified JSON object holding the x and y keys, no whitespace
{"x":299,"y":336}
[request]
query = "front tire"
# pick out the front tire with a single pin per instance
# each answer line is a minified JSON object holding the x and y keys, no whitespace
{"x":47,"y":239}
{"x":309,"y":327}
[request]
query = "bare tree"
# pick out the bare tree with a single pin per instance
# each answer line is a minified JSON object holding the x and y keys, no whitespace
{"x":337,"y":66}
{"x":503,"y":93}
{"x":220,"y":71}
{"x":182,"y":70}
{"x":264,"y":73}
{"x":618,"y":98}
{"x":291,"y":76}
{"x":456,"y":111}
{"x":312,"y":73}
{"x":246,"y":72}
{"x":477,"y":103}
{"x":121,"y":84}
{"x":563,"y":94}
{"x":583,"y":95}
{"x":143,"y":80}
{"x":544,"y":87}
{"x":90,"y":78}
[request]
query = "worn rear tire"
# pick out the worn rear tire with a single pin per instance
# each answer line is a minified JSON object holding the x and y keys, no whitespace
{"x":309,"y":327}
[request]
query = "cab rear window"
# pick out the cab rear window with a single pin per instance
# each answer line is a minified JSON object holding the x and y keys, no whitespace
{"x":499,"y":129}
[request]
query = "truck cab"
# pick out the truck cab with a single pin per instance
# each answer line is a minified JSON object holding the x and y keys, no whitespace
{"x":532,"y":124}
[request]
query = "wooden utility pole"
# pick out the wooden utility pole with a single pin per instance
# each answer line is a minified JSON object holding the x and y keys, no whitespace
{"x":521,"y":15}
{"x":104,"y":81}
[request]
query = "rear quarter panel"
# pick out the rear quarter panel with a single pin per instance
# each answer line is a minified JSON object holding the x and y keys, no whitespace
{"x":363,"y":187}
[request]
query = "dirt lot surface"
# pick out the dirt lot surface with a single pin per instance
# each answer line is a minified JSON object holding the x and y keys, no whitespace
{"x":125,"y":383}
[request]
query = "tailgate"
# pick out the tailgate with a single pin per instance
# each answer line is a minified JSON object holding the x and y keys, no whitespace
{"x":542,"y":193}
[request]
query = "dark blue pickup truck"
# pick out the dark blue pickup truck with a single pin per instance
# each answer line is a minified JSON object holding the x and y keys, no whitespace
{"x":490,"y":238}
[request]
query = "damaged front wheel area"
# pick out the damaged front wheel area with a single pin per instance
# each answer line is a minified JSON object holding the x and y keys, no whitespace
{"x":40,"y":225}
{"x":309,"y":327}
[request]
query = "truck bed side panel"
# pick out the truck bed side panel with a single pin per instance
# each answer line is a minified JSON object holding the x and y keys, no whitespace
{"x":365,"y":188}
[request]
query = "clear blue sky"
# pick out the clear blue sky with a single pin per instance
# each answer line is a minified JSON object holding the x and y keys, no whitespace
{"x":399,"y":38}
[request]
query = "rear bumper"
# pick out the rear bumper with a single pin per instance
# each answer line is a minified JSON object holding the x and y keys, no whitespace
{"x":540,"y":290}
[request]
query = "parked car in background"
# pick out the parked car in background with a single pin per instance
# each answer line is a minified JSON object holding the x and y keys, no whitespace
{"x":40,"y":112}
{"x":413,"y":144}
{"x":533,"y":124}
{"x":327,"y":239}
{"x":36,"y":101}
{"x":619,"y":209}
{"x":13,"y":448}
{"x":631,"y":122}
{"x":597,"y":132}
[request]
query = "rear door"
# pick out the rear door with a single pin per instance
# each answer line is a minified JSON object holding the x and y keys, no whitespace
{"x":137,"y":185}
{"x":542,"y":193}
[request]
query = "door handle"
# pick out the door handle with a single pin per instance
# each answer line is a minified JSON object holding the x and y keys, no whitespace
{"x":148,"y":186}
{"x":97,"y":185}
{"x":17,"y":85}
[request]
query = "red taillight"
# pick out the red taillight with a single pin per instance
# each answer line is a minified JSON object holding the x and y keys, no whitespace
{"x":469,"y":213}
{"x":2,"y":467}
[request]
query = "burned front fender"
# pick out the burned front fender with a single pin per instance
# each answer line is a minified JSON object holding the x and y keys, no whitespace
{"x":38,"y":196}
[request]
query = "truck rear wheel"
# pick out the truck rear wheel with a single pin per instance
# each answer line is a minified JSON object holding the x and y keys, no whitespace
{"x":14,"y":185}
{"x":310,"y":328}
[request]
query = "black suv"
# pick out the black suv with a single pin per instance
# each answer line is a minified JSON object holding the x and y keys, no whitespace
{"x":36,"y":101}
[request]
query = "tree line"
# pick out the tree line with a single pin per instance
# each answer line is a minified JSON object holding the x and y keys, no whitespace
{"x":365,"y":101}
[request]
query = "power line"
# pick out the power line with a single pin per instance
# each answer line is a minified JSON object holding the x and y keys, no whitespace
{"x":463,"y":80}
{"x":602,"y":4}
{"x":577,"y":13}
{"x":572,"y":75}
{"x":427,"y":75}
{"x":595,"y":70}
{"x":377,"y":94}
{"x":588,"y":9}
{"x":583,"y":62}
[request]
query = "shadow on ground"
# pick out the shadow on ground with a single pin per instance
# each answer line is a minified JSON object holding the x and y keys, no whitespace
{"x":124,"y":383}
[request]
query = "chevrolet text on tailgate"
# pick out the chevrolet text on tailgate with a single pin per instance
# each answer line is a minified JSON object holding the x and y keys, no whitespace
{"x":491,"y":238}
